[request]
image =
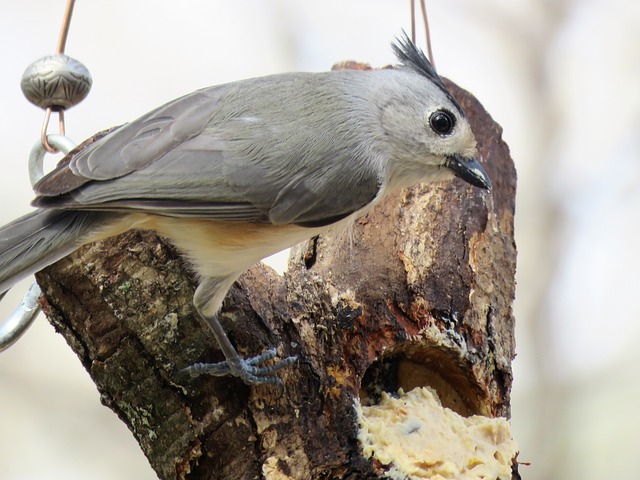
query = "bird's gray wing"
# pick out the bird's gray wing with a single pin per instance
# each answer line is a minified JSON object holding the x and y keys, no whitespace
{"x":136,"y":145}
{"x":227,"y":164}
{"x":324,"y":197}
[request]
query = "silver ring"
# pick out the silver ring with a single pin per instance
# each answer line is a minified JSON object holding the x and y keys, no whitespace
{"x":23,"y":316}
{"x":36,"y":157}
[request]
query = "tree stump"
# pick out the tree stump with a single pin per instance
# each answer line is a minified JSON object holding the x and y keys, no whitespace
{"x":419,"y":294}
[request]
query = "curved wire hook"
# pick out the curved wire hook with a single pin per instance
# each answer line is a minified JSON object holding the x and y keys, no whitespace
{"x":23,"y":316}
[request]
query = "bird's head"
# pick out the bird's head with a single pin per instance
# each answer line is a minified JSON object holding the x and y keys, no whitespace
{"x":430,"y":136}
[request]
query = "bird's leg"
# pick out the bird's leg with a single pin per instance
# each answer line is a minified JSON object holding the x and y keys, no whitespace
{"x":208,"y":298}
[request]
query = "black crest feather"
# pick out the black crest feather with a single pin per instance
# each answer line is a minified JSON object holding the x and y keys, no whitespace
{"x":413,"y":58}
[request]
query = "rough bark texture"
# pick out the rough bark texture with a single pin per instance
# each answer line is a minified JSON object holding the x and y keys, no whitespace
{"x":419,"y":295}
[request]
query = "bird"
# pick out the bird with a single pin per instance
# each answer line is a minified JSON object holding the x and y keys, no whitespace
{"x":233,"y":173}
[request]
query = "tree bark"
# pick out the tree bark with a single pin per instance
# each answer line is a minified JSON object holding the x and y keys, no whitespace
{"x":420,"y":294}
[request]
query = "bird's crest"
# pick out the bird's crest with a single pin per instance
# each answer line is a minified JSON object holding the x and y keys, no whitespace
{"x":413,"y":58}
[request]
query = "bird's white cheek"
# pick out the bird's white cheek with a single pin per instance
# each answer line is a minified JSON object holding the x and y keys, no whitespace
{"x":438,"y":174}
{"x":419,"y":173}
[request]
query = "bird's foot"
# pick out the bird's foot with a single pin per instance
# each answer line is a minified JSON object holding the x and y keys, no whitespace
{"x":248,"y":370}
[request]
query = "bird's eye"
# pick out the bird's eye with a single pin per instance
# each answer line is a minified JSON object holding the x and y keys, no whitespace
{"x":442,"y":122}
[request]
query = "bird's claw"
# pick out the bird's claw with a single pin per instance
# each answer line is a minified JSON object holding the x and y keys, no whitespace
{"x":248,"y":370}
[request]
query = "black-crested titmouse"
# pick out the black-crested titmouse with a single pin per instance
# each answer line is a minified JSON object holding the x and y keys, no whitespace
{"x":233,"y":173}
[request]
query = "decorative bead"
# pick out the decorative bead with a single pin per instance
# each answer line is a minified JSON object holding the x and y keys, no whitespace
{"x":56,"y":81}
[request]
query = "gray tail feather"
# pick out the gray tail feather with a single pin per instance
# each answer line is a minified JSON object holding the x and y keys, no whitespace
{"x":39,"y":239}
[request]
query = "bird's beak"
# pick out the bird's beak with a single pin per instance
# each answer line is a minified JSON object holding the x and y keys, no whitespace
{"x":469,"y":170}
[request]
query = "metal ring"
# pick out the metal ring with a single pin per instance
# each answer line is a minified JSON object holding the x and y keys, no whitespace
{"x":23,"y":316}
{"x":36,"y":157}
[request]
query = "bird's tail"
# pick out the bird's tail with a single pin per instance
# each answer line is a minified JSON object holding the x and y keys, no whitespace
{"x":39,"y":239}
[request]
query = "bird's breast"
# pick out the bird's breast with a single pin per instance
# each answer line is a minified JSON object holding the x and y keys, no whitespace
{"x":218,"y":248}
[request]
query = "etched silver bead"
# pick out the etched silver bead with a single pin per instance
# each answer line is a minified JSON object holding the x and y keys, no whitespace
{"x":56,"y":82}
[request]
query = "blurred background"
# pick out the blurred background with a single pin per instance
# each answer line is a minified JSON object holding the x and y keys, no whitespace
{"x":561,"y":77}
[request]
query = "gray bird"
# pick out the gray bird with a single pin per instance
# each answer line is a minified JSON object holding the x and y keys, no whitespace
{"x":233,"y":173}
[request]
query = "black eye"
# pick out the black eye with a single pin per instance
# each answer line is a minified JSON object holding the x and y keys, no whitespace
{"x":442,"y":122}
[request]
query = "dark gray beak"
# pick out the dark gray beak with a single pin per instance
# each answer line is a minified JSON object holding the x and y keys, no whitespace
{"x":469,"y":170}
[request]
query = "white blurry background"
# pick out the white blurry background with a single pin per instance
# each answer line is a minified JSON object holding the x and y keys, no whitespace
{"x":561,"y":77}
